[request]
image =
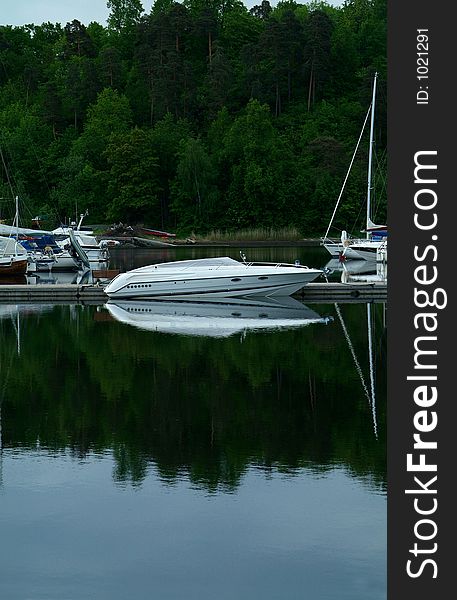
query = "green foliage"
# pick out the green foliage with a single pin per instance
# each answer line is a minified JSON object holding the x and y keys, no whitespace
{"x":261,"y":162}
{"x":263,"y":106}
{"x":84,"y":172}
{"x":194,"y":190}
{"x":166,"y":138}
{"x":133,"y":176}
{"x":124,"y":14}
{"x":110,"y":114}
{"x":77,"y":41}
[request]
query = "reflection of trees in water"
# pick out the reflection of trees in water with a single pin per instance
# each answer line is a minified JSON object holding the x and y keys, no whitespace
{"x":197,"y":407}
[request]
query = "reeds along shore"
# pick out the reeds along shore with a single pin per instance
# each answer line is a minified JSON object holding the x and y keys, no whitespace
{"x":258,"y":234}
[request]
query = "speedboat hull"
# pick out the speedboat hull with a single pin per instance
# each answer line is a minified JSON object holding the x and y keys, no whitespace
{"x":202,"y":278}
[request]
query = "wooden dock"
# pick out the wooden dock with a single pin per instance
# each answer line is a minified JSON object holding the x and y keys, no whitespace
{"x":50,"y":292}
{"x":87,"y":293}
{"x":338,"y":292}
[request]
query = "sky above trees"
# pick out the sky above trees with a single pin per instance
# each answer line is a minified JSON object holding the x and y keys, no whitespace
{"x":20,"y":12}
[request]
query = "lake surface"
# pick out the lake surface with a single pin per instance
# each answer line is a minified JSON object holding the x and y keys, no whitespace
{"x":231,"y":460}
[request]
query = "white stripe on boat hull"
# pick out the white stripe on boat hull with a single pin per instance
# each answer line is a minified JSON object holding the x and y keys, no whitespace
{"x":247,"y":285}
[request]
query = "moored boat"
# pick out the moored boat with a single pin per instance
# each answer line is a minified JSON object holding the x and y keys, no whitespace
{"x":218,"y":277}
{"x":13,"y":265}
{"x":13,"y":257}
{"x":375,"y":235}
{"x":48,"y":254}
{"x":94,"y":251}
{"x":369,"y":250}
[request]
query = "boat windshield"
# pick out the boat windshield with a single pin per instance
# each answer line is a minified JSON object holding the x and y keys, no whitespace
{"x":198,"y":263}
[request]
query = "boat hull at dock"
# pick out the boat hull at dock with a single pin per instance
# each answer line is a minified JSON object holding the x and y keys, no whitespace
{"x":222,"y":277}
{"x":13,"y":257}
{"x":369,"y":250}
{"x":13,"y":266}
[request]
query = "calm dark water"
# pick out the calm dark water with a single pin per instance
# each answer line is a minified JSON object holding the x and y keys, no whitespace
{"x":236,"y":464}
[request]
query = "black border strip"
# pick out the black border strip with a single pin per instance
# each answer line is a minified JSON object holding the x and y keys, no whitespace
{"x":421,"y":118}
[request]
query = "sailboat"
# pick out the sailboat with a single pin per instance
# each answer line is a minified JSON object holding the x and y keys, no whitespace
{"x":374,"y":246}
{"x":13,"y":256}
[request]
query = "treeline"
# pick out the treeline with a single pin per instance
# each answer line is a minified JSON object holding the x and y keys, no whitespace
{"x":200,"y":115}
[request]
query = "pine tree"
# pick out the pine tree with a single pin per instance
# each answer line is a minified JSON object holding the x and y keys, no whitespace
{"x":124,"y":13}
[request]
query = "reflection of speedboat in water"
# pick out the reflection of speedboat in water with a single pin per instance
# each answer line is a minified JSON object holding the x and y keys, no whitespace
{"x":214,"y":319}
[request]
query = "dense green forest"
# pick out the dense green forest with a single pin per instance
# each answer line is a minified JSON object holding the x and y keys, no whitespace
{"x":200,"y":115}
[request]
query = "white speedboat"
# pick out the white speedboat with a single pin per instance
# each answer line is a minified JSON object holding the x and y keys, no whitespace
{"x":221,"y":318}
{"x":214,"y":277}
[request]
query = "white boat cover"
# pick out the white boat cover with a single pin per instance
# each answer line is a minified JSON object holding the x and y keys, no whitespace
{"x":6,"y":230}
{"x":9,"y":247}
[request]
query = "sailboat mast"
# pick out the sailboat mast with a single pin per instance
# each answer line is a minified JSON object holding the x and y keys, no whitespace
{"x":370,"y":156}
{"x":16,"y":219}
{"x":347,"y":174}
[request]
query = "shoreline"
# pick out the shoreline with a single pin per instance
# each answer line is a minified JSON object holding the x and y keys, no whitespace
{"x":153,"y":243}
{"x":254,"y":243}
